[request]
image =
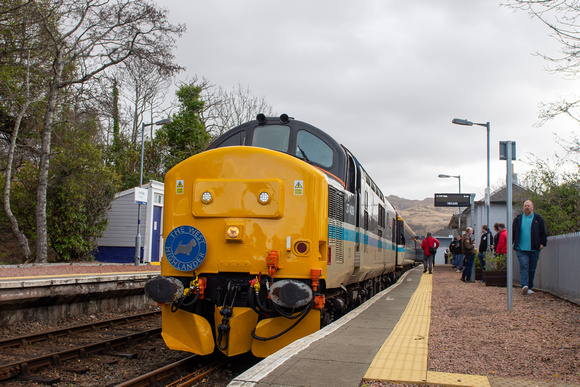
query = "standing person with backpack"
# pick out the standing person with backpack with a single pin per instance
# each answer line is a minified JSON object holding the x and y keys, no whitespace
{"x":429,"y":246}
{"x":455,"y":248}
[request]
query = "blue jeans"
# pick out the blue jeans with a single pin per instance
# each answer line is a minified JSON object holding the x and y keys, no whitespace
{"x":466,"y":275}
{"x":528,"y":264}
{"x":458,"y":260}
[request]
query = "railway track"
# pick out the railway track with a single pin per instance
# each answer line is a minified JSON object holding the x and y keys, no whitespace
{"x":165,"y":373}
{"x":106,"y":353}
{"x":24,"y":366}
{"x":22,"y":341}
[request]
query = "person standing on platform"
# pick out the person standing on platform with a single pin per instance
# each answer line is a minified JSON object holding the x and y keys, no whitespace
{"x":468,"y":248}
{"x":429,"y":246}
{"x":501,"y":247}
{"x":529,"y":238}
{"x":485,"y":238}
{"x":455,"y":248}
{"x":496,"y":236}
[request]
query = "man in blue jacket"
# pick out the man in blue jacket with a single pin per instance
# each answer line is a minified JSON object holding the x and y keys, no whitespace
{"x":529,"y":237}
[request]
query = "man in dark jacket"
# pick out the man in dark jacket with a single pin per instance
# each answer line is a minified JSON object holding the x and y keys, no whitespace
{"x":468,"y":248}
{"x":455,"y":248}
{"x":485,"y":238}
{"x":529,"y":237}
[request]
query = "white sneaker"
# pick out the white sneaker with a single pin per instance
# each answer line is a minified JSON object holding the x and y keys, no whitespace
{"x":525,"y":290}
{"x":459,"y":271}
{"x":530,"y":291}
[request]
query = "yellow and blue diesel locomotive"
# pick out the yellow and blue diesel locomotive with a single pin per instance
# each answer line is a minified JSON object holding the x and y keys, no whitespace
{"x":271,"y":233}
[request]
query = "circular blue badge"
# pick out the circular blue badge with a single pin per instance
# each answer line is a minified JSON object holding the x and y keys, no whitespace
{"x":185,"y":248}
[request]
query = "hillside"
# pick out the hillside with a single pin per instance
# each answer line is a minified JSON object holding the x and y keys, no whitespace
{"x":421,"y":215}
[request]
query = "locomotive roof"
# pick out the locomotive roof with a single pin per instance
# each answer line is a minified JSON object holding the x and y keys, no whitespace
{"x":296,"y":144}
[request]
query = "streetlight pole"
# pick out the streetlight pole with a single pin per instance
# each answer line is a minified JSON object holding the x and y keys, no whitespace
{"x":460,"y":121}
{"x":441,"y":176}
{"x":138,"y":236}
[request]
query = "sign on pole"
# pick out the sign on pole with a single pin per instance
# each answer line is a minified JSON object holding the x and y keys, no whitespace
{"x":141,"y":195}
{"x":452,"y":200}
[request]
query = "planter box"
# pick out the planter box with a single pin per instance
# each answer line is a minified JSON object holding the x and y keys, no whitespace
{"x":496,"y":278}
{"x":478,"y":275}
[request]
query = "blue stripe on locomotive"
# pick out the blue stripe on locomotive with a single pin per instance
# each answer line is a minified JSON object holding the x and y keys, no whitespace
{"x":352,"y":236}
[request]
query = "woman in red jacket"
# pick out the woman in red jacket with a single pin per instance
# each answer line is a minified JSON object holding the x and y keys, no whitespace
{"x":501,"y":247}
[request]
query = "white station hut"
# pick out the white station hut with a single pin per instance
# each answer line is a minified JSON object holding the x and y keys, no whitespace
{"x":118,"y":242}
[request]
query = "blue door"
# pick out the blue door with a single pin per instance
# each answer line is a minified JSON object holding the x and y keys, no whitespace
{"x":156,"y":234}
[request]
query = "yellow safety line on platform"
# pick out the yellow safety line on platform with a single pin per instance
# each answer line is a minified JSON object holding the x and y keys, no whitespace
{"x":403,"y":356}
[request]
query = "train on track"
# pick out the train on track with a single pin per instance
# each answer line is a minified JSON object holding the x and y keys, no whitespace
{"x":271,"y":233}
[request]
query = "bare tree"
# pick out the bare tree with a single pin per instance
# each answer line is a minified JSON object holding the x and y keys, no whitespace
{"x":144,"y":87}
{"x":225,"y":109}
{"x":86,"y":38}
{"x":562,"y":17}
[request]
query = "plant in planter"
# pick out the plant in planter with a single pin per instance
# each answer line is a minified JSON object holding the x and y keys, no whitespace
{"x":495,"y":262}
{"x":478,"y":271}
{"x":495,"y":270}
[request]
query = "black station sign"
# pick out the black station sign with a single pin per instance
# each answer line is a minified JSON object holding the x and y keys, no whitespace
{"x":452,"y":200}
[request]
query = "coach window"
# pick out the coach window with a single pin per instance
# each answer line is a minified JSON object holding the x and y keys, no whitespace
{"x":313,"y":149}
{"x":275,"y":137}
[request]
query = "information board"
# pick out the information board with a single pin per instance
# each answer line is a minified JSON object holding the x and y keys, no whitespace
{"x":452,"y":200}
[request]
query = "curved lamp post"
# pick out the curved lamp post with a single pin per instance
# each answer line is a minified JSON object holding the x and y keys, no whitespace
{"x":138,"y":236}
{"x":460,"y":121}
{"x":441,"y":176}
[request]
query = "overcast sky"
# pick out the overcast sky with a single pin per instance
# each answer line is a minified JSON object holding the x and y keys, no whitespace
{"x":385,"y":78}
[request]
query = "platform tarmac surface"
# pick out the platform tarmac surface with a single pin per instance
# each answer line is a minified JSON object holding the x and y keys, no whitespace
{"x":385,"y":339}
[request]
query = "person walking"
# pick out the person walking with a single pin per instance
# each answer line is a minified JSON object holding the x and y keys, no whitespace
{"x":529,"y":238}
{"x":485,"y":238}
{"x":455,"y":248}
{"x":468,"y":248}
{"x":429,"y":246}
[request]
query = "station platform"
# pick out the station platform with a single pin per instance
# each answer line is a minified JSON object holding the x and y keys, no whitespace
{"x":43,"y":293}
{"x":386,"y":340}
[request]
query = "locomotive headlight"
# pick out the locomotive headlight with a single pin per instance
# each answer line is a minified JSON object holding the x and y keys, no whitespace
{"x":302,"y":247}
{"x":234,"y":232}
{"x":264,"y":197}
{"x":206,"y":197}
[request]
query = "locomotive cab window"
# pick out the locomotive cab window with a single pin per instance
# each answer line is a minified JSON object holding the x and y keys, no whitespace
{"x":275,"y":137}
{"x":239,"y":138}
{"x":313,"y":149}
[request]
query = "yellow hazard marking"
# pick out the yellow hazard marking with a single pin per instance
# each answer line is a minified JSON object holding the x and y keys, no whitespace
{"x":298,"y":187}
{"x":179,"y":187}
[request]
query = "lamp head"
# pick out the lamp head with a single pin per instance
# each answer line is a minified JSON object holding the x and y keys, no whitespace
{"x":164,"y":121}
{"x":460,"y":121}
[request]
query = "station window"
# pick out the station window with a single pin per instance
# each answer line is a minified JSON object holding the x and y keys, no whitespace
{"x":158,"y":199}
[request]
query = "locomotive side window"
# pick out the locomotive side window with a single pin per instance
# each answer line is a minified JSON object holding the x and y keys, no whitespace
{"x":275,"y":137}
{"x":235,"y":140}
{"x":313,"y":149}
